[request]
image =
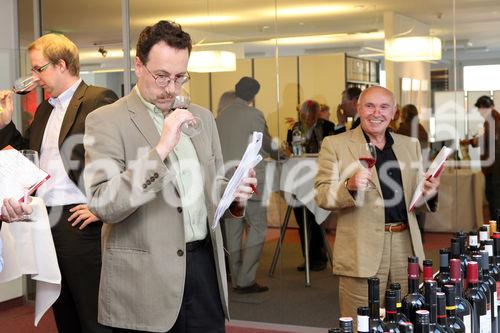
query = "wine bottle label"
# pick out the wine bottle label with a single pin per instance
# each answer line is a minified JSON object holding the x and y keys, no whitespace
{"x":498,"y":291}
{"x":363,"y":324}
{"x":473,"y":241}
{"x":483,"y":235}
{"x":485,"y":323}
{"x":468,"y":324}
{"x":495,"y":304}
{"x":489,"y":248}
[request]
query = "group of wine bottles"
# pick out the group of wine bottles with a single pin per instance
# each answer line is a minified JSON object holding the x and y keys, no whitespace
{"x":462,"y":297}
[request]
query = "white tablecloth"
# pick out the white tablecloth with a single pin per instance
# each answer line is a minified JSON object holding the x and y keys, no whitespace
{"x":28,"y":249}
{"x":294,"y":177}
{"x":461,"y":199}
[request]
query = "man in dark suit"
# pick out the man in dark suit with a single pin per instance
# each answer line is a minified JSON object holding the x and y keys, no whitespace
{"x":56,"y":133}
{"x":314,"y":130}
{"x":348,"y":108}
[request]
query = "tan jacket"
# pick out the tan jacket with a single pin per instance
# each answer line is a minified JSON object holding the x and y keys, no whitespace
{"x":360,"y":229}
{"x":136,"y":196}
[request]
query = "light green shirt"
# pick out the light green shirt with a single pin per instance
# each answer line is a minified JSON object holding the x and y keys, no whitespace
{"x":189,"y":179}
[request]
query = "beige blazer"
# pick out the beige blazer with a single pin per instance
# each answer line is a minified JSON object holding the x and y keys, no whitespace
{"x":359,"y":237}
{"x":136,"y":196}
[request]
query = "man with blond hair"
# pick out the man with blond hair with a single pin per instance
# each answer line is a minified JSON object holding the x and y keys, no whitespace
{"x":56,"y":133}
{"x":376,"y":232}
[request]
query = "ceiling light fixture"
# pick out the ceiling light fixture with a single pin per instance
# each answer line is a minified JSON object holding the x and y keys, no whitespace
{"x":413,"y":48}
{"x":212,"y":61}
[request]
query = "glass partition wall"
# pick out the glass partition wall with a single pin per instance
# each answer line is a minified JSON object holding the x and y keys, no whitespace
{"x":314,"y":50}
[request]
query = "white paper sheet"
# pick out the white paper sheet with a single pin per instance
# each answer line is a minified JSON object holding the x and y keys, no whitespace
{"x":250,"y":159}
{"x":18,"y":175}
{"x":29,"y":249}
{"x":434,"y":170}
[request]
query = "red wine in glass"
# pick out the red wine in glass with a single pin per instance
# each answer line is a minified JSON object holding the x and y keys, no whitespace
{"x":367,"y":162}
{"x":24,"y":85}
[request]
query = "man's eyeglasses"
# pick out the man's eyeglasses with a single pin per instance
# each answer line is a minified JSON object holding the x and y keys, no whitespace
{"x":39,"y":70}
{"x":164,"y":80}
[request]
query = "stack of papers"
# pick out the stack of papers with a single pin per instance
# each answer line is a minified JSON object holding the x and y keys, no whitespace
{"x":250,"y":159}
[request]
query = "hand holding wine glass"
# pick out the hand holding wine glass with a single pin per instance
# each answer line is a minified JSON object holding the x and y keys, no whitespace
{"x":369,"y":161}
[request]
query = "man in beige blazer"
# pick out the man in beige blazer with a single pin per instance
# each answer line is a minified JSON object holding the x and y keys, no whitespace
{"x":156,"y":190}
{"x":375,"y":232}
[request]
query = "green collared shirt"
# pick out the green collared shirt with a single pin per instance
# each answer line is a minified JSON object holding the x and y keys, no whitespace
{"x":189,"y":179}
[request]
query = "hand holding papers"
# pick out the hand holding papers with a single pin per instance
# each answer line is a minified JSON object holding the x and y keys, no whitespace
{"x":434,"y":170}
{"x":250,"y":159}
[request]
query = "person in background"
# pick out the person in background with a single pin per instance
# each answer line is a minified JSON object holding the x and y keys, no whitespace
{"x":488,"y":143}
{"x":348,"y":108}
{"x":324,"y":112}
{"x":410,"y":126}
{"x":227,"y":98}
{"x":375,"y":232}
{"x":236,"y":125}
{"x":314,"y":131}
{"x":56,"y":133}
{"x":156,"y":189}
{"x":395,"y":123}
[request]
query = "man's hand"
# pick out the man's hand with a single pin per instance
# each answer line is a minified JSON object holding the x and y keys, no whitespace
{"x":431,"y":186}
{"x":246,"y":188}
{"x":6,"y":107}
{"x":341,"y":116}
{"x":82,"y":214}
{"x":360,"y":181}
{"x":171,"y":133}
{"x":13,"y":210}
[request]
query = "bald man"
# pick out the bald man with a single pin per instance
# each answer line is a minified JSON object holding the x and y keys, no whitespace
{"x":375,"y":232}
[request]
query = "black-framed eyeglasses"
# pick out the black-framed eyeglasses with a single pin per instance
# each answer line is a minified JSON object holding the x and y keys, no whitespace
{"x":39,"y":70}
{"x":164,"y":80}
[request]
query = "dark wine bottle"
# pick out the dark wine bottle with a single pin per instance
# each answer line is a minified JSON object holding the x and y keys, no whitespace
{"x":484,"y":286}
{"x":484,"y":233}
{"x":391,"y":313}
{"x":428,"y":271}
{"x":422,"y":321}
{"x":396,"y":287}
{"x":406,"y":327}
{"x":477,"y":300}
{"x":345,"y":324}
{"x":473,"y":243}
{"x":431,"y":305}
{"x":442,"y":319}
{"x":464,"y":309}
{"x":443,"y":276}
{"x":363,"y":319}
{"x":414,"y":300}
{"x":453,"y":322}
{"x":496,"y":262}
{"x":376,"y":324}
{"x":492,"y":288}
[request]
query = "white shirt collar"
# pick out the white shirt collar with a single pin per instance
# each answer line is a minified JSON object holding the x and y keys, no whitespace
{"x":65,"y":97}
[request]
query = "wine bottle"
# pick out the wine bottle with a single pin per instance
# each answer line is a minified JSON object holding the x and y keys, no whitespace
{"x":491,"y":283}
{"x":443,"y":276}
{"x":376,"y":324}
{"x":363,"y":319}
{"x":422,"y":321}
{"x":406,"y":327}
{"x":484,"y":233}
{"x":477,"y":300}
{"x":414,"y":300}
{"x":473,"y":243}
{"x":442,"y":319}
{"x":345,"y":324}
{"x":428,"y":272}
{"x":431,"y":305}
{"x":391,"y":313}
{"x":453,"y":321}
{"x":396,"y":287}
{"x":484,"y":286}
{"x":496,"y":262}
{"x":464,"y":309}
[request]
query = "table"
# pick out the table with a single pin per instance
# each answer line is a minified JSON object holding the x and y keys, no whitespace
{"x":461,"y":200}
{"x":28,"y":248}
{"x":296,"y":182}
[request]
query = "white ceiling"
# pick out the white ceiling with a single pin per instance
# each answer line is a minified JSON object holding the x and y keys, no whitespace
{"x":94,"y":23}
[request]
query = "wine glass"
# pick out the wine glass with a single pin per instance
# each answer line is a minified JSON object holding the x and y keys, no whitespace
{"x":182,"y":101}
{"x":25,"y":175}
{"x":369,"y":161}
{"x":25,"y":84}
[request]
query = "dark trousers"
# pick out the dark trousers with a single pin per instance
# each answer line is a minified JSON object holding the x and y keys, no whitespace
{"x":317,"y":252}
{"x":79,"y":257}
{"x":201,"y":309}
